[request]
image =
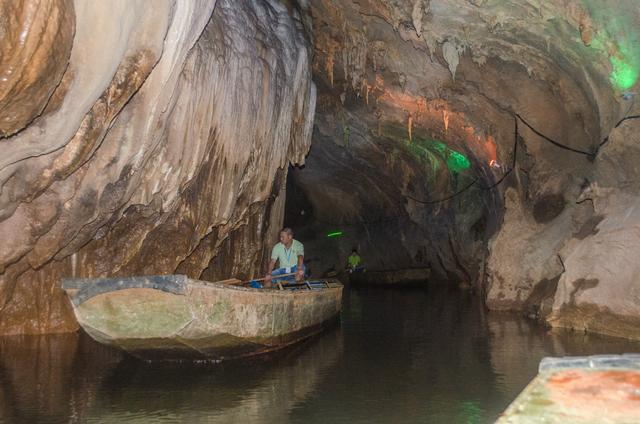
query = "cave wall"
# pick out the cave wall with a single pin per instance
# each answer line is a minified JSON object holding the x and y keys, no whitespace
{"x":158,"y":140}
{"x":405,"y":87}
{"x":145,"y":142}
{"x":599,"y":288}
{"x":531,"y":94}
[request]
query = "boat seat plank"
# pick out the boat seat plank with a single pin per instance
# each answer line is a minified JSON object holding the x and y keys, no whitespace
{"x":231,"y":282}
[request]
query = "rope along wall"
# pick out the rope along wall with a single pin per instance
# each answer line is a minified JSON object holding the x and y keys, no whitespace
{"x":516,"y":118}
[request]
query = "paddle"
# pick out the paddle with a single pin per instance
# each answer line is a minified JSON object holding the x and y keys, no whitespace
{"x":281,"y":286}
{"x":275,"y":277}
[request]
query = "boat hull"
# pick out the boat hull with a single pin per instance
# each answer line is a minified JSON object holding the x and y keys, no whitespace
{"x":174,"y":318}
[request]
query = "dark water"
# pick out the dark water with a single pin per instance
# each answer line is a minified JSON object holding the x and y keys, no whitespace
{"x":407,"y":356}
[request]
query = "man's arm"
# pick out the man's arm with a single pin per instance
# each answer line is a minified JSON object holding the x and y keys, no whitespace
{"x":272,"y":264}
{"x":300,"y":271}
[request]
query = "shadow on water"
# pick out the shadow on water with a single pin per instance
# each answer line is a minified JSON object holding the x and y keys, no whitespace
{"x":402,"y":356}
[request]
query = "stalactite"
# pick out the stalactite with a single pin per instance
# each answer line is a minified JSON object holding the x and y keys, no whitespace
{"x":445,"y":118}
{"x":329,"y":64}
{"x":416,"y":16}
{"x":153,"y":145}
{"x":366,"y":88}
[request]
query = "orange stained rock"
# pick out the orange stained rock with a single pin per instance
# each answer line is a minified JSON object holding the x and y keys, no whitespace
{"x":330,"y":62}
{"x":34,"y":52}
{"x":366,"y":92}
{"x":487,"y":145}
{"x":491,"y":148}
{"x":399,"y":100}
{"x":379,"y":81}
{"x":612,"y":392}
{"x":417,"y":108}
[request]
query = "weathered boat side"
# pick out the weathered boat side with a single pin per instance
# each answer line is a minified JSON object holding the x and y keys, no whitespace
{"x":90,"y":287}
{"x":173,"y":317}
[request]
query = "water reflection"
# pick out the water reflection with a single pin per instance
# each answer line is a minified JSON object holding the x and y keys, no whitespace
{"x":261,"y":390}
{"x":70,"y":378}
{"x":434,"y":356}
{"x":518,"y":345}
{"x":50,"y":378}
{"x":401,"y":356}
{"x":410,"y":356}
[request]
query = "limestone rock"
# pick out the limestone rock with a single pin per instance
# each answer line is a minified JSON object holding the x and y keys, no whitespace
{"x":522,"y":255}
{"x":451,"y":53}
{"x":600,"y":288}
{"x":396,"y":194}
{"x":156,"y":140}
{"x":34,"y":53}
{"x":173,"y":135}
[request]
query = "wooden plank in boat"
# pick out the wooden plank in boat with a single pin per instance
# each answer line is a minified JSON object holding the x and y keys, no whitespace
{"x":230,"y":282}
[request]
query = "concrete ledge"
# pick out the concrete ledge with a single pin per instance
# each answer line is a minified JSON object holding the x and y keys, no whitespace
{"x":580,"y":390}
{"x":627,"y":360}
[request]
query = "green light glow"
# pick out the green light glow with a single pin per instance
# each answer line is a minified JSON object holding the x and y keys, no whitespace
{"x":435,"y":152}
{"x":618,"y":37}
{"x":470,"y":412}
{"x":624,"y":75}
{"x":457,"y":162}
{"x":335,"y":234}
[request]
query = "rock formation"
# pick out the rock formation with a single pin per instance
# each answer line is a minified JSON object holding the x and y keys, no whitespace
{"x":481,"y":138}
{"x":526,"y":92}
{"x":161,"y":139}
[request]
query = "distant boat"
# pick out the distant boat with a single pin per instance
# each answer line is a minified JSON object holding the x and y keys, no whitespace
{"x":399,"y":277}
{"x":172,"y":317}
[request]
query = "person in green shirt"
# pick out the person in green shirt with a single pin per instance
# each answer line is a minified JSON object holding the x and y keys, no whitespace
{"x":354,"y":261}
{"x":289,"y":255}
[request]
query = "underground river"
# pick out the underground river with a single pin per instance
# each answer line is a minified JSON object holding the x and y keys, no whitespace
{"x":412,"y":355}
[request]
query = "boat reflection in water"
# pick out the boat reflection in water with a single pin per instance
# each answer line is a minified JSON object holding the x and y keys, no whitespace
{"x":70,"y":378}
{"x":52,"y":378}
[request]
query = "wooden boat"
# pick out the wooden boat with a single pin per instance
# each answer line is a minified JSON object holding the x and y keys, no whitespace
{"x":173,"y":317}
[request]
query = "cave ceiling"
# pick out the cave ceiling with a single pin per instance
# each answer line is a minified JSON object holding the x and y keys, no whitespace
{"x":440,"y":82}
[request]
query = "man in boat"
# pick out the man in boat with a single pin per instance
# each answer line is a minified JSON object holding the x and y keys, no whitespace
{"x":289,"y":255}
{"x":354,"y":262}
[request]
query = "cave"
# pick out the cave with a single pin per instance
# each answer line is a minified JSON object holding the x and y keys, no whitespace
{"x":490,"y":142}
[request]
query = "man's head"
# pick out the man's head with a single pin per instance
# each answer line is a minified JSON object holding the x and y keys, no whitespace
{"x":354,"y":252}
{"x":286,"y":236}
